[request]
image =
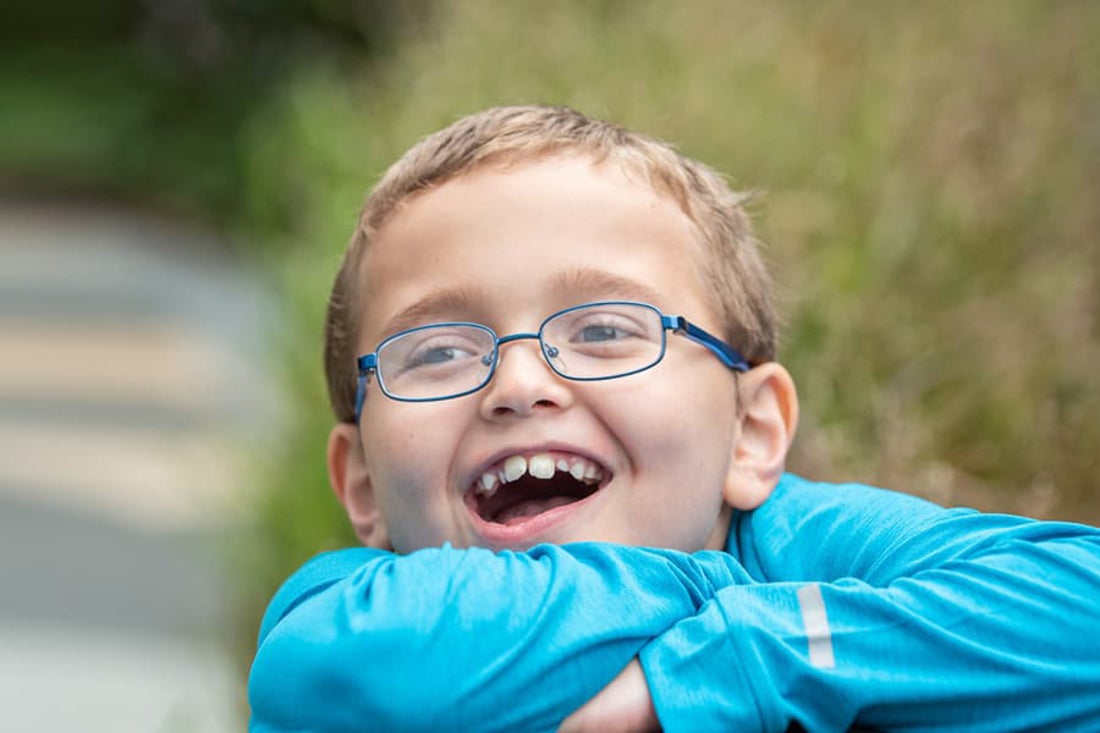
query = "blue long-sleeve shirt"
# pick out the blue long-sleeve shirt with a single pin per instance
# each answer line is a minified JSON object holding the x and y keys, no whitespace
{"x":832,"y":605}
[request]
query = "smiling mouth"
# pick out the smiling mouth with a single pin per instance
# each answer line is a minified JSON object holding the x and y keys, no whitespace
{"x":523,"y":486}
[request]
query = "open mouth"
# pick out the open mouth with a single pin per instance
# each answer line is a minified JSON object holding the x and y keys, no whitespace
{"x":523,"y":486}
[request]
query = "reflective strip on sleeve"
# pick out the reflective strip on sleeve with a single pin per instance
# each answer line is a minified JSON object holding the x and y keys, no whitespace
{"x":816,"y":622}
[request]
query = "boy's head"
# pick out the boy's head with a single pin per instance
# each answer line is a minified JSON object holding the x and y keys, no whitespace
{"x":503,"y":219}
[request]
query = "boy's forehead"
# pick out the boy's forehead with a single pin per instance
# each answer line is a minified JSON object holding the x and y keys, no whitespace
{"x":565,"y":169}
{"x":549,"y":186}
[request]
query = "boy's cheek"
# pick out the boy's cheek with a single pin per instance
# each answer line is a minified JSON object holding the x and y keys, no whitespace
{"x":692,"y":400}
{"x":410,"y":458}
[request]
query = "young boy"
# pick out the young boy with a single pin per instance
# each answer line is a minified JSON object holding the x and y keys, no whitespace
{"x":561,"y":437}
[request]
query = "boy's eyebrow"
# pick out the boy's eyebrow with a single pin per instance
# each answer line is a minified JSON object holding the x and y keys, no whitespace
{"x":590,"y":282}
{"x":582,"y":282}
{"x":428,"y":308}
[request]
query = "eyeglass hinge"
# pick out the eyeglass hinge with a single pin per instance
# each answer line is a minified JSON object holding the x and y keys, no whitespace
{"x":678,"y":324}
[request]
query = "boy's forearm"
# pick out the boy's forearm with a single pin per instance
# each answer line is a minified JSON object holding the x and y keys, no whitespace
{"x":1001,"y":639}
{"x":469,"y":639}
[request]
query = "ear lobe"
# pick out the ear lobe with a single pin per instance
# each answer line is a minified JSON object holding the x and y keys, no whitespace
{"x":350,"y":481}
{"x":769,"y":419}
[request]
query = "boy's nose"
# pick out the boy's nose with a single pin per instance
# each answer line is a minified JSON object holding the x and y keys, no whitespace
{"x":523,"y":384}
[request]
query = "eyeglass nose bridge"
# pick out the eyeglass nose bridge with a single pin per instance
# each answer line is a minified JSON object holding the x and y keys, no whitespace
{"x":549,"y":354}
{"x":548,"y":351}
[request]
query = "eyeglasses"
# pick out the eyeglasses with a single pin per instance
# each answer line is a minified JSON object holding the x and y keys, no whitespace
{"x":585,"y":343}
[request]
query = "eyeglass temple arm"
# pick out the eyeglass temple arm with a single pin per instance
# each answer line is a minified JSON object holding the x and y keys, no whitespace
{"x":367,"y":364}
{"x":725,"y":353}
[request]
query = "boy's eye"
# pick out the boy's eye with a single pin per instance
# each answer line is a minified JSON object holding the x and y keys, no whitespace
{"x":438,"y":355}
{"x":590,"y":334}
{"x":429,"y":355}
{"x":607,"y":334}
{"x":605,"y":326}
{"x":434,"y":351}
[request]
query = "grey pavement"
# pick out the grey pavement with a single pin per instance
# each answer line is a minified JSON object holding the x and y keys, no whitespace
{"x":130,"y":387}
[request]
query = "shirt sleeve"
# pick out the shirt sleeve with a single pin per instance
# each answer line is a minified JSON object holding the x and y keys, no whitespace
{"x":446,"y":639}
{"x":880,"y":609}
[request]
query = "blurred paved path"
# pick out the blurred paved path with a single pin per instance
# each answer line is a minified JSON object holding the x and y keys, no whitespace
{"x":126,"y":388}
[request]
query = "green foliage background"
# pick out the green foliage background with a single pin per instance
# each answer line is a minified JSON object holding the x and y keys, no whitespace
{"x":930,"y":178}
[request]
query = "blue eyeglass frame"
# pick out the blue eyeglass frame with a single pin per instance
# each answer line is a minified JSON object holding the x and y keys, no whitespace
{"x":726,"y":354}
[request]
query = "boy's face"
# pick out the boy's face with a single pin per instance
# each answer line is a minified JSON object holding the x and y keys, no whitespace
{"x":507,"y":248}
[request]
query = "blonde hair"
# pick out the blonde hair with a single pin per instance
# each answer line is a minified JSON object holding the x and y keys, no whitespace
{"x":739,"y":283}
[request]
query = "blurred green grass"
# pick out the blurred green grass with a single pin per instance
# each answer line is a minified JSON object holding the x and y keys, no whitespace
{"x":930,"y":178}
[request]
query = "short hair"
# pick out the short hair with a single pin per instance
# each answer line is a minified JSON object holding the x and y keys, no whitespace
{"x":733,"y":271}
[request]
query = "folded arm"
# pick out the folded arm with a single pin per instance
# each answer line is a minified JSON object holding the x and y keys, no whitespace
{"x":464,"y":639}
{"x":892,"y":613}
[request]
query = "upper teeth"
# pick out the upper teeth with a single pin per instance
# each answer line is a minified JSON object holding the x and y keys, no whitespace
{"x":541,"y":466}
{"x":514,"y":467}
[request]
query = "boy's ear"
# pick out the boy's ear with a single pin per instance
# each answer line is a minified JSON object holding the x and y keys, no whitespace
{"x":769,"y":419}
{"x":350,"y":480}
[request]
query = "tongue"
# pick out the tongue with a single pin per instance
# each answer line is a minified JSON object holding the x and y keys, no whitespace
{"x":517,"y":513}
